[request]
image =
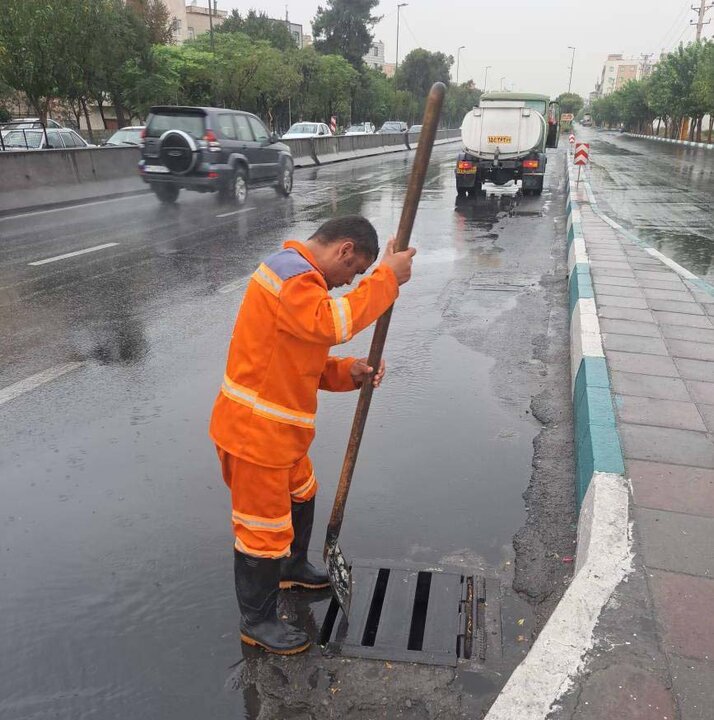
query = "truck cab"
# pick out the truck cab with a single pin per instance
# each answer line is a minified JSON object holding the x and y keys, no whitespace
{"x":505,"y":139}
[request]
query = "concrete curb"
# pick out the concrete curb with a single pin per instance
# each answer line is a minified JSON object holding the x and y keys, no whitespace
{"x":604,"y":554}
{"x":687,"y":143}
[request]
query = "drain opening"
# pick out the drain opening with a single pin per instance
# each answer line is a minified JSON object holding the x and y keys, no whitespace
{"x":329,"y":623}
{"x":375,"y":608}
{"x":421,"y":603}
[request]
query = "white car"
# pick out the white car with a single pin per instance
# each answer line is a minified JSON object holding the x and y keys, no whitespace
{"x":307,"y":130}
{"x":130,"y":135}
{"x":48,"y":139}
{"x":365,"y":128}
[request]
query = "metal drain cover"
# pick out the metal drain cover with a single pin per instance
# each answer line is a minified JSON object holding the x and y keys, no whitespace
{"x":413,"y":614}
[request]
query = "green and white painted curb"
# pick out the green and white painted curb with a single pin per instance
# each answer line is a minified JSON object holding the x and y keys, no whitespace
{"x":671,"y":141}
{"x":604,"y":553}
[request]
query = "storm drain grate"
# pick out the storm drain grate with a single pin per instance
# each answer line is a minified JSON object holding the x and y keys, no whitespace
{"x":411,"y":614}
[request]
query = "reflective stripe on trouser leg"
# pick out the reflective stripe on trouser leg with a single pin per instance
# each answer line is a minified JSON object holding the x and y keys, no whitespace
{"x":303,"y":484}
{"x":261,"y":516}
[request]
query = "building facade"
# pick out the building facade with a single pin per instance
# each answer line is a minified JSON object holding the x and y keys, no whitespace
{"x":375,"y":57}
{"x":617,"y":71}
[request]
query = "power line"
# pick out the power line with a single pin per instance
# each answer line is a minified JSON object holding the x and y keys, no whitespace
{"x":664,"y":41}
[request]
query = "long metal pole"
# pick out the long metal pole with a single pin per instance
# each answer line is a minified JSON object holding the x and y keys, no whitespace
{"x":572,"y":62}
{"x":210,"y":24}
{"x":485,"y":77}
{"x":458,"y":58}
{"x":396,"y":59}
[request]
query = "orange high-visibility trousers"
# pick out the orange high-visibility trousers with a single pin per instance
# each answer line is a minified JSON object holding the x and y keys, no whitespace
{"x":261,"y":499}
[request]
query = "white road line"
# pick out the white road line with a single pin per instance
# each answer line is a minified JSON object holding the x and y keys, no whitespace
{"x":73,"y":254}
{"x":10,"y":392}
{"x":231,"y":287}
{"x":235,"y":212}
{"x":69,"y":207}
{"x":373,"y":190}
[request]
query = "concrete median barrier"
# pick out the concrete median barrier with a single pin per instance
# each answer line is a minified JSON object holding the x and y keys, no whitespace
{"x":303,"y":152}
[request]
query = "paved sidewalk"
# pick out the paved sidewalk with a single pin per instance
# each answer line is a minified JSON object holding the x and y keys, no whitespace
{"x":658,"y":336}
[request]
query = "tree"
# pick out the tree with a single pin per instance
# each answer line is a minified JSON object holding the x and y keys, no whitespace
{"x":258,"y":26}
{"x":344,"y":27}
{"x":459,"y":100}
{"x":704,"y":83}
{"x":421,"y":69}
{"x":570,"y":103}
{"x":156,"y":17}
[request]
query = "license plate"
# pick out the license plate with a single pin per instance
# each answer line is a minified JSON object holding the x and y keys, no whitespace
{"x":499,"y":139}
{"x":156,"y":169}
{"x":466,"y":172}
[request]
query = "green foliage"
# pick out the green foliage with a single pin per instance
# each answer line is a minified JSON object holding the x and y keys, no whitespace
{"x":421,"y":69}
{"x":258,"y":26}
{"x":570,"y":103}
{"x":344,"y":27}
{"x":156,"y":18}
{"x":458,"y":101}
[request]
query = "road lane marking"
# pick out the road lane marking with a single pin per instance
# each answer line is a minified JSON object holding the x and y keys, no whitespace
{"x":230,"y":287}
{"x":73,"y":254}
{"x":71,"y":207}
{"x":235,"y":212}
{"x":10,"y":392}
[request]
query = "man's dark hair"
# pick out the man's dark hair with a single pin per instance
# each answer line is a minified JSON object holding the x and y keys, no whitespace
{"x":350,"y":227}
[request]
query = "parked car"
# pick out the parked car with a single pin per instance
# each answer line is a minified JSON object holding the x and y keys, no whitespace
{"x":392,"y":127}
{"x":307,"y":130}
{"x":130,"y":135}
{"x":210,"y":149}
{"x":415,"y":129}
{"x":365,"y":128}
{"x":47,"y":139}
{"x":27,"y":123}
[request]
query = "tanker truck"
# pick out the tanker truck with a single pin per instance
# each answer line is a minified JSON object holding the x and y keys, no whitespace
{"x":505,"y":139}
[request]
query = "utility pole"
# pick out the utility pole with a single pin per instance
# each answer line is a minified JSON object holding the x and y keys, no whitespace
{"x":572,"y":62}
{"x":210,"y":25}
{"x":502,"y":79}
{"x":701,"y":13}
{"x":396,"y":61}
{"x":485,"y":76}
{"x":458,"y":57}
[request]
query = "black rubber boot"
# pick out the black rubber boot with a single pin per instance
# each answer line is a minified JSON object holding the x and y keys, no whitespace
{"x":257,"y":591}
{"x":297,"y":570}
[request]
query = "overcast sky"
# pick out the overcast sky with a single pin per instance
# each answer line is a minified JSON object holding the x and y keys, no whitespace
{"x":526,"y":43}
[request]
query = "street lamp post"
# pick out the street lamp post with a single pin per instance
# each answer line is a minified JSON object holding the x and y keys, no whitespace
{"x":458,"y":57}
{"x":572,"y":62}
{"x":396,"y":62}
{"x":502,"y":79}
{"x":485,"y":77}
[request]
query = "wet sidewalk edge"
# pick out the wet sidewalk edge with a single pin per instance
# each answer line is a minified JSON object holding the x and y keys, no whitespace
{"x":672,"y":141}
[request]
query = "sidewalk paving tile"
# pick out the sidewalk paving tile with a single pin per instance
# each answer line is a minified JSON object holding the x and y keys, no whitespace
{"x":629,"y":327}
{"x":635,"y":344}
{"x":669,"y":445}
{"x":681,"y":332}
{"x":701,"y":392}
{"x":641,"y":363}
{"x":612,"y":272}
{"x":672,"y":318}
{"x":661,"y":413}
{"x":678,"y":488}
{"x":686,"y":308}
{"x":612,"y":265}
{"x":621,"y":301}
{"x":693,"y":351}
{"x":659,"y":293}
{"x":693,"y":681}
{"x":684,"y":606}
{"x":653,"y":386}
{"x":653,"y":274}
{"x":615,"y":282}
{"x":707,"y":413}
{"x":695,"y":369}
{"x":615,"y":312}
{"x":677,"y":542}
{"x":664,"y":282}
{"x":618,"y":291}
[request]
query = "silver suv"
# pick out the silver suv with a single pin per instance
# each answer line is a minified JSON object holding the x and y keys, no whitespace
{"x":211,"y":150}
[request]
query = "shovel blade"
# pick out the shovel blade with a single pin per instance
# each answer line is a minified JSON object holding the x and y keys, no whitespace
{"x":340,"y":575}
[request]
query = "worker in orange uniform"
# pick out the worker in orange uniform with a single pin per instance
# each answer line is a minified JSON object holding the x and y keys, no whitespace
{"x":264,"y":417}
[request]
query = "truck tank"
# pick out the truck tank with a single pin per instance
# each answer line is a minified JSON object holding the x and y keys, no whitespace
{"x":506,"y":130}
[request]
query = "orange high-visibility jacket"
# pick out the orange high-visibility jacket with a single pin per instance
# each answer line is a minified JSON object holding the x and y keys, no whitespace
{"x":278,"y":355}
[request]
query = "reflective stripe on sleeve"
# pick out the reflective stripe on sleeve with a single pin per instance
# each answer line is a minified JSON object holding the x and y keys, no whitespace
{"x":305,"y":488}
{"x":267,"y":279}
{"x":342,"y":319}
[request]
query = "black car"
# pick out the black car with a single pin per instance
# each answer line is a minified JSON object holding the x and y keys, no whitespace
{"x":211,"y":150}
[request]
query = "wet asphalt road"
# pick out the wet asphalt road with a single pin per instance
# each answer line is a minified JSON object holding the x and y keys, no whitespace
{"x":663,"y":193}
{"x":116,"y":564}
